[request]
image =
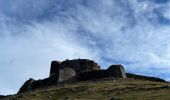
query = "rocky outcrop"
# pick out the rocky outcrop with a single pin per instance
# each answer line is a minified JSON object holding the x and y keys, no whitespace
{"x":32,"y":84}
{"x":27,"y":86}
{"x":70,"y":71}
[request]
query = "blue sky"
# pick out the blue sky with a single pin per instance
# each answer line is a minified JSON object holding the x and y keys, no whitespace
{"x":134,"y":33}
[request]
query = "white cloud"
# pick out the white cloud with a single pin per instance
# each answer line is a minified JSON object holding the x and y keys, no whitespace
{"x":166,"y":12}
{"x":30,"y":56}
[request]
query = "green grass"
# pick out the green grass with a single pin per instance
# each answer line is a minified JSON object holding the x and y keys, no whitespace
{"x":121,"y":89}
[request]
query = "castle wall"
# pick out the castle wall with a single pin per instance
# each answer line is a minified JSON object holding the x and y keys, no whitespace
{"x":66,"y":74}
{"x":92,"y":75}
{"x":114,"y":71}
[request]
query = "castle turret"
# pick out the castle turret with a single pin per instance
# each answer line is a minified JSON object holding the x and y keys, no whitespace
{"x":116,"y":71}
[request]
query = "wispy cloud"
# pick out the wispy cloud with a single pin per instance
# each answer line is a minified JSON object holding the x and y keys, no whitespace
{"x":134,"y":33}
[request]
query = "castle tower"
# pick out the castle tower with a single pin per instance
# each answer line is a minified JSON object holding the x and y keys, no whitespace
{"x":116,"y":71}
{"x":54,"y":71}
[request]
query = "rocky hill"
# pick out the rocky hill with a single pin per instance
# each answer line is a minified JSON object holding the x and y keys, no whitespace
{"x":102,"y":89}
{"x":71,"y":71}
{"x":83,"y":79}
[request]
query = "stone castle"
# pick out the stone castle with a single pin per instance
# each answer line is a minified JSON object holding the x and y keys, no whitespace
{"x":71,"y":71}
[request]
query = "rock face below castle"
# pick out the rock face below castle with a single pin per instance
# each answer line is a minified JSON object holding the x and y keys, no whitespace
{"x":70,"y":71}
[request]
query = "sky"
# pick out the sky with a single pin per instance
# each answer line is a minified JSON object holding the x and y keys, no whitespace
{"x":134,"y":33}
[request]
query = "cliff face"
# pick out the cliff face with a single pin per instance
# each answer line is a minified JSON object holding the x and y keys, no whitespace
{"x":70,"y":71}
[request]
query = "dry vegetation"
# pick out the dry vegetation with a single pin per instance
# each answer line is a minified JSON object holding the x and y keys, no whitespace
{"x":106,"y":89}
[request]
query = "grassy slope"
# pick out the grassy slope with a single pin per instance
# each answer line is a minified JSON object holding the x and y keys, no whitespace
{"x":122,"y":89}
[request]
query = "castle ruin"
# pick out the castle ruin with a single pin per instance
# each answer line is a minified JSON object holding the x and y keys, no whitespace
{"x":71,"y":71}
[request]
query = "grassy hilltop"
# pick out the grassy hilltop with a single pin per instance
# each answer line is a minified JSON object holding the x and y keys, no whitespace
{"x":104,"y":89}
